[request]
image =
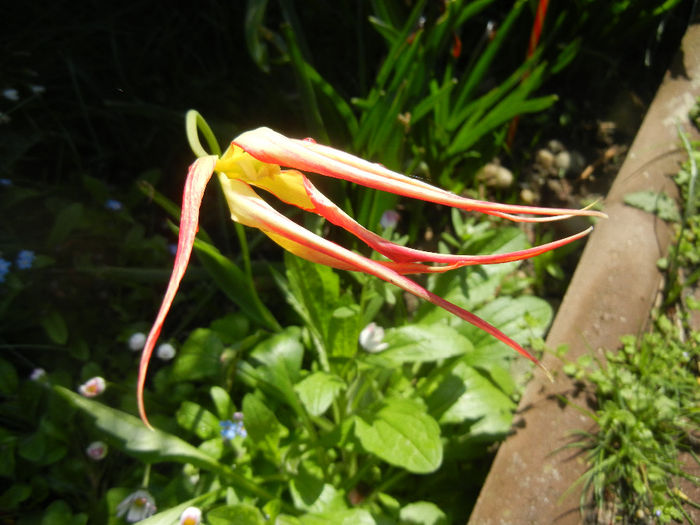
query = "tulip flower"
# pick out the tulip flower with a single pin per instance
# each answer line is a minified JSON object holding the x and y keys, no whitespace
{"x":256,"y":159}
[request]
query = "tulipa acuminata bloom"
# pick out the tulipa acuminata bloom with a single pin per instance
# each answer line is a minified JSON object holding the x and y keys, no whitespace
{"x":255,"y":159}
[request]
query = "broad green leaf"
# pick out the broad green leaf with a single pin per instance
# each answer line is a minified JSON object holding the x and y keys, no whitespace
{"x":476,"y":399}
{"x":283,"y":349}
{"x":197,"y":420}
{"x":59,"y":513}
{"x":311,"y":494}
{"x":55,"y":327}
{"x":131,"y":436}
{"x":171,"y":515}
{"x":315,"y":290}
{"x":401,"y":433}
{"x":420,"y":343}
{"x":260,"y":422}
{"x":15,"y":494}
{"x":422,"y":513}
{"x":8,"y":378}
{"x":199,"y":357}
{"x":240,"y":514}
{"x":41,"y":449}
{"x":231,"y":328}
{"x":344,"y":329}
{"x":654,"y":202}
{"x":317,"y":391}
{"x":521,"y":318}
{"x":341,"y":517}
{"x":222,"y":402}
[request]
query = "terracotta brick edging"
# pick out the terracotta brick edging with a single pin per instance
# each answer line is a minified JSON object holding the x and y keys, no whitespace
{"x":611,"y":294}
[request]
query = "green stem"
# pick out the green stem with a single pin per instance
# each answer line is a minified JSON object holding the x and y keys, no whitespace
{"x":146,"y":476}
{"x":194,"y":123}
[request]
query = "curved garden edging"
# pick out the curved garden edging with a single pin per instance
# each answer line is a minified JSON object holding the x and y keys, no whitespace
{"x":611,"y":294}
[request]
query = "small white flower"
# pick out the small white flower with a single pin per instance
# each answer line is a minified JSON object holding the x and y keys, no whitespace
{"x":137,"y":506}
{"x":371,"y":338}
{"x":37,"y":374}
{"x":93,"y":387}
{"x":11,"y":94}
{"x":191,"y":516}
{"x":166,"y":352}
{"x":136,"y":341}
{"x":96,"y":450}
{"x":37,"y":89}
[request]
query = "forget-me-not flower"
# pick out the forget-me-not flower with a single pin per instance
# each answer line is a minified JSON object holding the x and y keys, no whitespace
{"x":113,"y":204}
{"x":231,"y":429}
{"x":25,"y":259}
{"x":4,"y":269}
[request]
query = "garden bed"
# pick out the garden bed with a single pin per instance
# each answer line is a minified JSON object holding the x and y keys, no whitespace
{"x":611,"y":294}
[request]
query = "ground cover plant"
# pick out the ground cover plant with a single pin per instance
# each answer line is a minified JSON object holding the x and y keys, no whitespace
{"x":280,"y":385}
{"x":647,"y":393}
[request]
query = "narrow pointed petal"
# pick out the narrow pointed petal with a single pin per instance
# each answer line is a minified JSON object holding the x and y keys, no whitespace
{"x":199,"y":174}
{"x":247,"y":207}
{"x":401,"y":254}
{"x":269,"y":146}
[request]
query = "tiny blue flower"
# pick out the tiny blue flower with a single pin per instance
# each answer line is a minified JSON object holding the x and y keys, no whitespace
{"x":113,"y":204}
{"x":25,"y":259}
{"x":4,"y":269}
{"x":5,"y":182}
{"x":11,"y":94}
{"x":231,"y":429}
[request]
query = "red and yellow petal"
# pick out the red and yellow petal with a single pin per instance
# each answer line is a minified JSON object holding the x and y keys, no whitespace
{"x":269,"y":146}
{"x":197,"y":178}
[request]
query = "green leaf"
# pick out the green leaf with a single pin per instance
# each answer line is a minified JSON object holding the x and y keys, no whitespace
{"x":421,"y":343}
{"x":231,"y":328}
{"x":283,"y":350}
{"x":422,"y":513}
{"x":234,"y":283}
{"x":240,"y":514}
{"x":314,"y":290}
{"x":8,"y":378}
{"x":340,"y":517}
{"x":477,"y":398}
{"x":59,"y":513}
{"x":222,"y":402}
{"x":55,"y":327}
{"x":318,"y":390}
{"x":199,"y":357}
{"x":14,"y":495}
{"x":654,"y":202}
{"x":134,"y":438}
{"x":344,"y":329}
{"x":311,"y":494}
{"x":67,"y":220}
{"x":260,"y":422}
{"x":257,"y":47}
{"x":171,"y":515}
{"x":521,"y":318}
{"x":197,"y":420}
{"x":401,"y":433}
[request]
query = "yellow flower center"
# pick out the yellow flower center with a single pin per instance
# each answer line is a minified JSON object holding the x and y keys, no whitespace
{"x":237,"y":164}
